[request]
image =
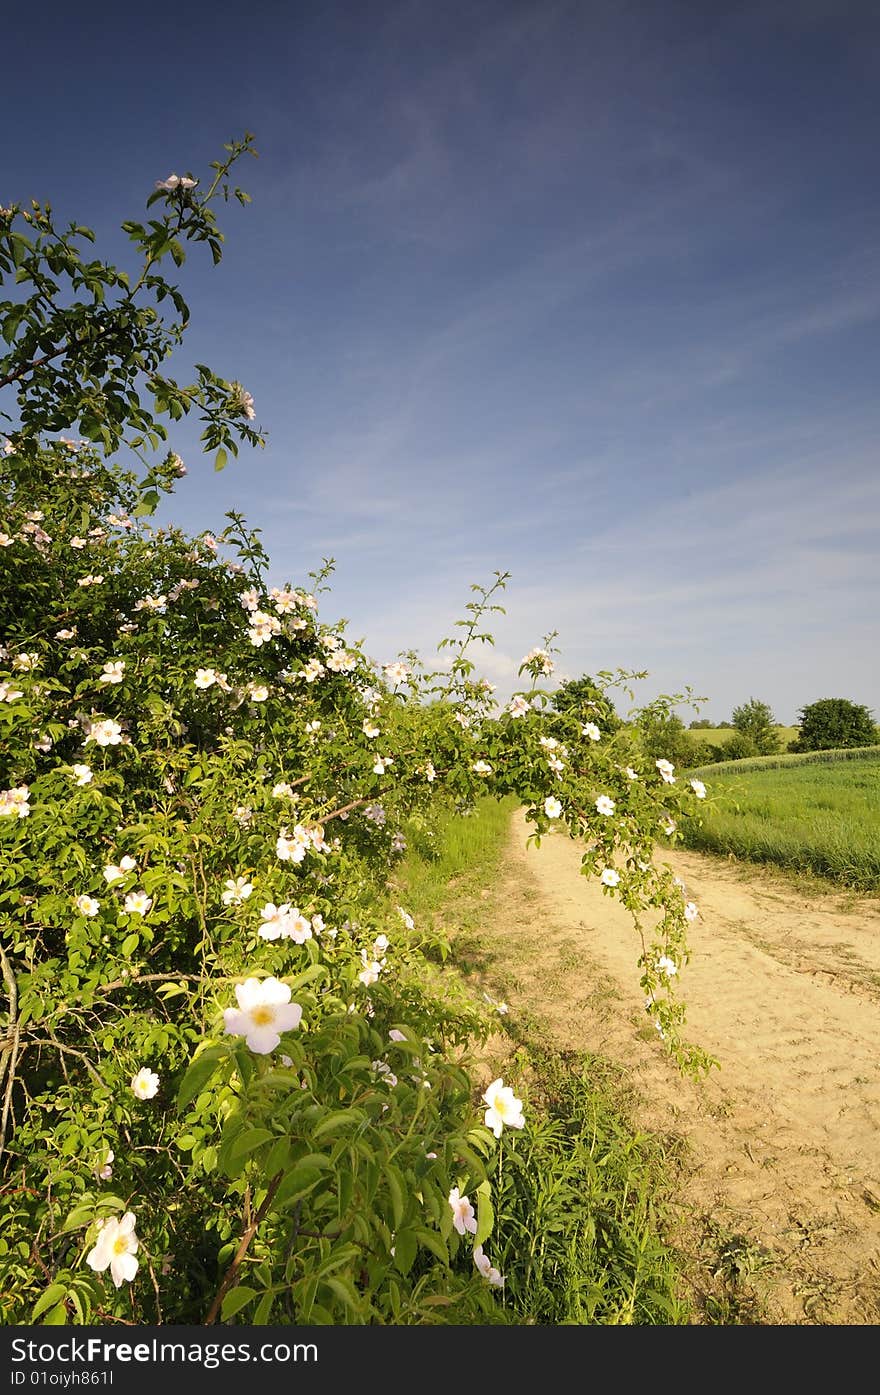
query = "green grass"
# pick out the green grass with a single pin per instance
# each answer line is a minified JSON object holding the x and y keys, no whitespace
{"x":459,"y":859}
{"x":816,"y":813}
{"x":582,"y":1197}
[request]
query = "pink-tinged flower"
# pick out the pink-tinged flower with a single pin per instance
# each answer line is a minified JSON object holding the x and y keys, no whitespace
{"x":116,"y":1248}
{"x":312,"y":671}
{"x":540,"y":660}
{"x":604,"y":805}
{"x":169,"y":184}
{"x":282,"y":790}
{"x":504,"y":1108}
{"x":371,"y":970}
{"x":298,"y":928}
{"x":382,"y":764}
{"x":370,"y":729}
{"x":552,"y":807}
{"x":666,"y":768}
{"x":292,"y":849}
{"x":668,"y":825}
{"x":463,"y":1216}
{"x":690,"y":911}
{"x":205,"y":677}
{"x":262,"y":628}
{"x":90,"y":580}
{"x":113,"y":671}
{"x":87,"y":905}
{"x":430,"y":773}
{"x":257,"y":692}
{"x":14,"y":803}
{"x":610,"y":877}
{"x":406,"y":918}
{"x":250,"y":600}
{"x":396,"y":672}
{"x":285,"y":601}
{"x":667,"y":966}
{"x":275,"y":920}
{"x":82,"y":774}
{"x":341,"y":661}
{"x":145,"y":1085}
{"x":396,"y":1035}
{"x":264,"y":1011}
{"x":105,"y":1169}
{"x":137,"y":903}
{"x":590,"y":730}
{"x":630,"y":773}
{"x":698,"y":788}
{"x":517,"y":707}
{"x":66,"y":634}
{"x":236,"y":891}
{"x":115,"y":873}
{"x":244,"y":402}
{"x":8,"y":694}
{"x":481,"y":767}
{"x":106,"y":732}
{"x":491,"y":1275}
{"x":78,"y":544}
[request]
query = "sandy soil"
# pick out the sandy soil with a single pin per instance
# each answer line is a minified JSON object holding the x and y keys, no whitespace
{"x":782,"y":1174}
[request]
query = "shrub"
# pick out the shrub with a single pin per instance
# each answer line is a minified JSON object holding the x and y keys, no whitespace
{"x":220,"y":1028}
{"x":834,"y":723}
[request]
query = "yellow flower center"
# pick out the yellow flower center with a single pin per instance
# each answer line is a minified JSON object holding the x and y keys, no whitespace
{"x":262,"y":1016}
{"x":120,"y":1245}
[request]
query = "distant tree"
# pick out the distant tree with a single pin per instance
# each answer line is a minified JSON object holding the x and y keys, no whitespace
{"x":832,"y":724}
{"x":755,"y":720}
{"x":701,"y":724}
{"x":740,"y":747}
{"x":725,"y":726}
{"x":664,"y":737}
{"x":587,"y":700}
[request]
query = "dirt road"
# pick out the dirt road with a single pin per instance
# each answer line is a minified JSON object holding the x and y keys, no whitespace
{"x":783,"y":1142}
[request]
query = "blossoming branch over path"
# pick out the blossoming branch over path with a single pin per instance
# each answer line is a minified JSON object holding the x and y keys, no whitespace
{"x":784,"y":1141}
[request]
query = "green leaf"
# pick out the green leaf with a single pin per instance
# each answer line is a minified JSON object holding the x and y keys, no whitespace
{"x":338,"y":1121}
{"x":485,"y":1214}
{"x":220,"y":459}
{"x":52,"y":1295}
{"x":248,"y":1141}
{"x":405,"y":1247}
{"x":198,"y":1074}
{"x":235,"y":1300}
{"x":396,"y":1188}
{"x":433,"y":1242}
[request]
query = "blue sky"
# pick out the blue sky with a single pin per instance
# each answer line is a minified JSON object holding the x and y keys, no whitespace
{"x":585,"y":292}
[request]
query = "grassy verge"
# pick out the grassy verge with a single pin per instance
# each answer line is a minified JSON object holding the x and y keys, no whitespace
{"x":583,"y":1204}
{"x":818,"y":813}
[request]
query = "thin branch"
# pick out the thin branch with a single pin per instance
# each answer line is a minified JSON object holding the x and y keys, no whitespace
{"x":243,"y":1245}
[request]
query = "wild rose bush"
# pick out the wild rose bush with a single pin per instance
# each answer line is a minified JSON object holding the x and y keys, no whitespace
{"x":232,"y":1079}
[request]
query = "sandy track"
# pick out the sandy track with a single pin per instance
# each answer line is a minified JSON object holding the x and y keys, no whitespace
{"x":784,"y":1140}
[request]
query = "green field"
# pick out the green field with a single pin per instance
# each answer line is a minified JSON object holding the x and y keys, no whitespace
{"x":717,"y":736}
{"x":815,"y":813}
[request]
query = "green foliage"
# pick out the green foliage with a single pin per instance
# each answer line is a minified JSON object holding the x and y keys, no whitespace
{"x":664,"y":737}
{"x":581,"y":1206}
{"x":834,"y":724}
{"x":754,"y":720}
{"x":815,"y":813}
{"x":204,"y":788}
{"x":740,"y":746}
{"x":587,"y":699}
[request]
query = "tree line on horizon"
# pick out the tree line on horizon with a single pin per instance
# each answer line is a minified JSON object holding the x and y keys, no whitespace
{"x":827,"y":724}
